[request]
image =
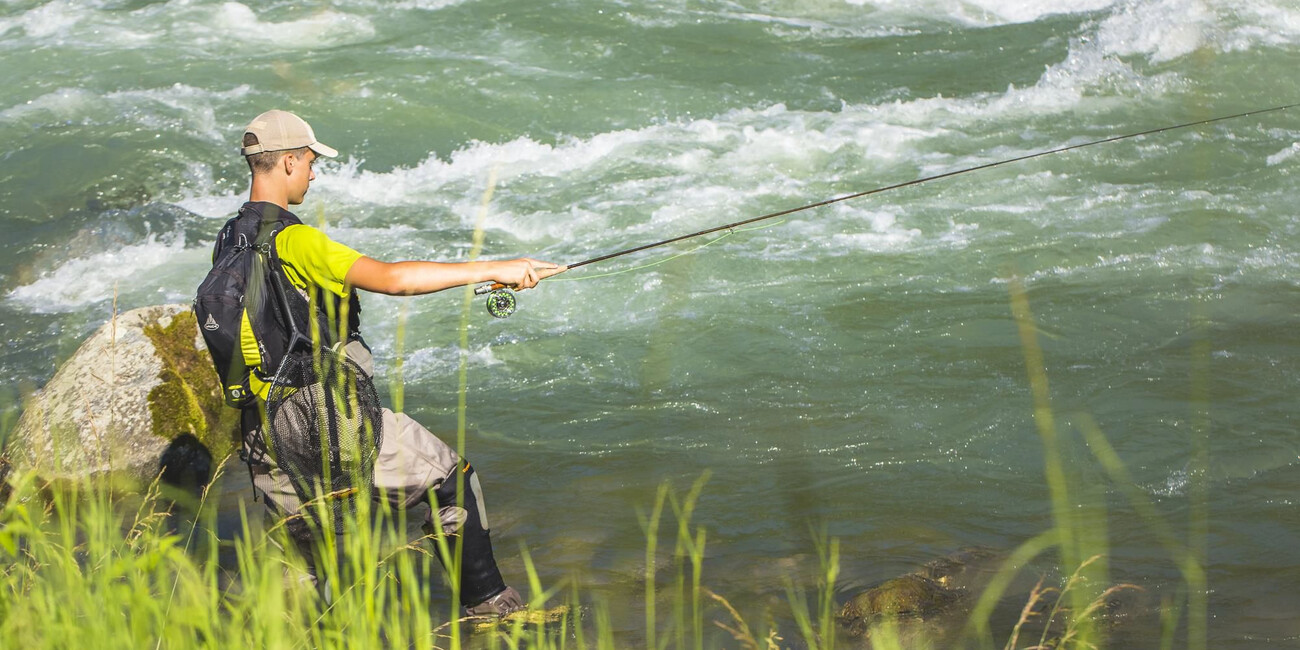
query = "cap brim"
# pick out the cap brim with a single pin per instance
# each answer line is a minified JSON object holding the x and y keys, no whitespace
{"x":323,"y":150}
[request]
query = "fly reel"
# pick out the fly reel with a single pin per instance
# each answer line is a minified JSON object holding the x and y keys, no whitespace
{"x":501,"y":303}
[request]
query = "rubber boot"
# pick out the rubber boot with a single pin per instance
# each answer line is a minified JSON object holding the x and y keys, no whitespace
{"x":499,"y":605}
{"x":480,"y":580}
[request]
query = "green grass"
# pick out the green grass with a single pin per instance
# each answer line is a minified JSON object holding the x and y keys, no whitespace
{"x":82,"y":565}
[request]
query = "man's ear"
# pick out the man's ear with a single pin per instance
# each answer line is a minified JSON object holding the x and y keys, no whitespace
{"x":287,"y":162}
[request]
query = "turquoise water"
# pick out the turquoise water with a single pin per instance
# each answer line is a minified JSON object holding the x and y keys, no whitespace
{"x":855,"y":366}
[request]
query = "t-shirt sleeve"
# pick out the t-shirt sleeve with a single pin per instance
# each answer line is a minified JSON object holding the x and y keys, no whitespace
{"x":309,"y":256}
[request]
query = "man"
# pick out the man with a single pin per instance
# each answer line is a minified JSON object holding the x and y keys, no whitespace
{"x":411,"y":463}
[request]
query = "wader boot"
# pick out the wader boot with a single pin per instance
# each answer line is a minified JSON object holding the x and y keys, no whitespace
{"x":482,"y":590}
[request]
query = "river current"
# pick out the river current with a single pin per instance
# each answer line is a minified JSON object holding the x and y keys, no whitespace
{"x":853,"y":368}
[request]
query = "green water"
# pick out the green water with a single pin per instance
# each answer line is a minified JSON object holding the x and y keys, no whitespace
{"x":854,"y":367}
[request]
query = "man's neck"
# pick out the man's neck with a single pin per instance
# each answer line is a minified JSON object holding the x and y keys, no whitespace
{"x":265,"y":190}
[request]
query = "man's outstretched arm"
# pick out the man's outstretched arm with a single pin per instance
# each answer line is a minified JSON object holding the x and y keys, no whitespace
{"x":413,"y":278}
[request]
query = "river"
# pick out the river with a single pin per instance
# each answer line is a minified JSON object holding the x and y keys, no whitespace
{"x":854,"y":367}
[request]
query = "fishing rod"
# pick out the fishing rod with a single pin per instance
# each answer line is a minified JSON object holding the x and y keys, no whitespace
{"x":501,"y":302}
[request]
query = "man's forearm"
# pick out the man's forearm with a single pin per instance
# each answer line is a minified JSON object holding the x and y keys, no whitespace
{"x":417,"y":277}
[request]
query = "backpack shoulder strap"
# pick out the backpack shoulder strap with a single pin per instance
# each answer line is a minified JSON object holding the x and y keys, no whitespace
{"x":274,"y":220}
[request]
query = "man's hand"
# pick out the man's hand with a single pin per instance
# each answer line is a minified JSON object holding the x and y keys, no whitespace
{"x":524,"y":273}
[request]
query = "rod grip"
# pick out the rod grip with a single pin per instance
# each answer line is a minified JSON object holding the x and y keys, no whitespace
{"x":488,"y":288}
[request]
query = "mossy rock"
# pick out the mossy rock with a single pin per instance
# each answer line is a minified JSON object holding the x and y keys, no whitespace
{"x":189,"y":397}
{"x":907,"y":596}
{"x":922,"y":606}
{"x":140,"y":381}
{"x":533,"y":618}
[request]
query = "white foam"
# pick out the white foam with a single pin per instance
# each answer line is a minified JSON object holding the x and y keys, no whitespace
{"x":230,"y":27}
{"x":881,"y":233}
{"x":1284,"y":155}
{"x":46,"y":20}
{"x":237,"y":23}
{"x":221,"y":206}
{"x":985,"y":12}
{"x":76,"y":23}
{"x":441,"y":362}
{"x":696,"y":172}
{"x":471,"y":165}
{"x":428,"y":5}
{"x":1205,"y":256}
{"x":1263,"y":22}
{"x":176,"y":108}
{"x":688,"y":175}
{"x":64,"y":105}
{"x":1163,"y":30}
{"x":692,"y":170}
{"x":94,"y":279}
{"x":1159,"y":30}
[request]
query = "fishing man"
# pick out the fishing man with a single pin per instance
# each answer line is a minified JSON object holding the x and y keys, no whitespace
{"x":412,"y":466}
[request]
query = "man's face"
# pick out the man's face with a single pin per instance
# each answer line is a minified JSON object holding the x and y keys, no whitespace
{"x":301,"y":176}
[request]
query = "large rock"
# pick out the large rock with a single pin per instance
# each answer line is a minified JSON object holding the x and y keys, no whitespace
{"x":140,"y":382}
{"x":925,"y":608}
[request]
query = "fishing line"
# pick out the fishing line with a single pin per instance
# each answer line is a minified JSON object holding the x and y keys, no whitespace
{"x":504,"y":301}
{"x":711,"y":242}
{"x":501,"y":303}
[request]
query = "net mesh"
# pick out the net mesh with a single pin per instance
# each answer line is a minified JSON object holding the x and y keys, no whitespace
{"x":325,"y":427}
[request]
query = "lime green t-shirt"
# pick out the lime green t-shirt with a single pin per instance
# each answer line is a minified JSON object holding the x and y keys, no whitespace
{"x":308,"y":257}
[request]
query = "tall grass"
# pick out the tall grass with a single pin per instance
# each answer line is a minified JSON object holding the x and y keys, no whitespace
{"x":817,"y":625}
{"x":1072,"y":540}
{"x":1078,"y":533}
{"x":82,"y":566}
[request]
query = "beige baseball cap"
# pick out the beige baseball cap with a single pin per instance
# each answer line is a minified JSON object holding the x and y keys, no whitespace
{"x":280,"y":130}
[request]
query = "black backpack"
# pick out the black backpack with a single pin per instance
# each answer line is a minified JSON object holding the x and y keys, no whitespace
{"x":246,"y":277}
{"x":323,"y":414}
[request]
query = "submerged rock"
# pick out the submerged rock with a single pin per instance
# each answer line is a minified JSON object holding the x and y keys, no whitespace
{"x":929,"y":607}
{"x":963,"y":569}
{"x":905,"y":597}
{"x":923,"y":607}
{"x":140,"y":381}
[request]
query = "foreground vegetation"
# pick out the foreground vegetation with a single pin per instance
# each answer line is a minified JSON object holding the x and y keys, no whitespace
{"x":93,"y":566}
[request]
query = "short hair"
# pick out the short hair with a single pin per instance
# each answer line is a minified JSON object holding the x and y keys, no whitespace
{"x":261,"y":163}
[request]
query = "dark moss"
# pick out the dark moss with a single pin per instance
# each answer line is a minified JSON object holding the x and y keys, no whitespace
{"x":907,"y":595}
{"x":189,"y":398}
